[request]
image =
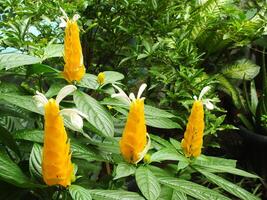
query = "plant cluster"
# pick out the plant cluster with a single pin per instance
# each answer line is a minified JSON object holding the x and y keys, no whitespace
{"x":68,"y":130}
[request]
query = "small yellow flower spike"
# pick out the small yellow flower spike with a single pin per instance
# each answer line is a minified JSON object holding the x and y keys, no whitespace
{"x":101,"y":78}
{"x":57,"y":168}
{"x":134,"y":144}
{"x":74,"y":69}
{"x":193,"y":136}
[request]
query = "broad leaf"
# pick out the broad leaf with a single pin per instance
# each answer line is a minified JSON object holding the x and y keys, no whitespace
{"x":79,"y":193}
{"x":156,"y":112}
{"x":30,"y":135}
{"x":171,"y":194}
{"x":147,"y":183}
{"x":192,"y":189}
{"x":124,"y":169}
{"x":53,"y":50}
{"x":114,"y":195}
{"x":12,"y":60}
{"x":98,"y":117}
{"x":242,"y":69}
{"x":162,"y":123}
{"x":7,"y":139}
{"x":12,"y":174}
{"x":228,"y":186}
{"x":36,"y":161}
{"x":167,"y":154}
{"x":89,"y":81}
{"x":25,"y":102}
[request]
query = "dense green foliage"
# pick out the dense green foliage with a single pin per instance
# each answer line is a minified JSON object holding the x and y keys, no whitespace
{"x":176,"y":47}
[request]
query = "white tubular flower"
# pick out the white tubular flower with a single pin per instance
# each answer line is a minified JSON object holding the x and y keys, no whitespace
{"x":64,"y":19}
{"x":74,"y":115}
{"x":128,"y":99}
{"x":65,"y":91}
{"x":206,"y":102}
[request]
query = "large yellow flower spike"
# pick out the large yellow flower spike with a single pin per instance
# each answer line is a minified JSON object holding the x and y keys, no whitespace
{"x":57,"y":168}
{"x":135,"y":141}
{"x":193,"y":136}
{"x":74,"y":69}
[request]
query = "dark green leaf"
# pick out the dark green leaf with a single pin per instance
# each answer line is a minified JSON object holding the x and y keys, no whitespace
{"x":98,"y":117}
{"x":147,"y":183}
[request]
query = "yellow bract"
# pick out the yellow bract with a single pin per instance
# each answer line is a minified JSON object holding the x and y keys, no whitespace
{"x":134,"y":139}
{"x":57,"y":168}
{"x":74,"y":69}
{"x":193,"y":136}
{"x":101,"y":78}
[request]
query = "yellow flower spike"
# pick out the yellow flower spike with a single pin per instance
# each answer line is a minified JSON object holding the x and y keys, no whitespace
{"x":134,"y":144}
{"x":57,"y":168}
{"x":101,"y":78}
{"x":193,"y":136}
{"x":74,"y":69}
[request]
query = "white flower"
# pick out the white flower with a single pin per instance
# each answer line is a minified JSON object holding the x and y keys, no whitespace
{"x":128,"y":99}
{"x":64,"y":19}
{"x":74,"y":115}
{"x":206,"y":102}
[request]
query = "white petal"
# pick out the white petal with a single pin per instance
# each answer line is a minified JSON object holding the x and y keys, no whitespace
{"x":75,"y":17}
{"x":144,"y":152}
{"x":76,"y":121}
{"x":141,"y":90}
{"x":63,"y":23}
{"x":203,"y":92}
{"x":195,"y":97}
{"x":121,"y":94}
{"x":132,"y":97}
{"x":40,"y":99}
{"x":208,"y":105}
{"x":65,"y":91}
{"x":64,"y":13}
{"x":75,"y":116}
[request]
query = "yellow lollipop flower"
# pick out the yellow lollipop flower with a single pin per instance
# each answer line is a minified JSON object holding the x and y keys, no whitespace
{"x":74,"y":69}
{"x":193,"y":136}
{"x":57,"y":168}
{"x":134,"y":144}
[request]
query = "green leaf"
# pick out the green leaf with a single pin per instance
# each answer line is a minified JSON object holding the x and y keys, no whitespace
{"x":210,"y":160}
{"x":30,"y":135}
{"x":21,"y":101}
{"x":225,"y":169}
{"x":40,"y":68}
{"x":112,"y":77}
{"x":123,"y":170}
{"x":171,"y":194}
{"x":147,"y":183}
{"x":242,"y":69}
{"x":54,"y":89}
{"x":164,"y":123}
{"x":230,"y":89}
{"x":98,"y":117}
{"x":161,"y":141}
{"x":87,"y":153}
{"x":35,"y":162}
{"x":114,"y":195}
{"x":7,"y":139}
{"x":89,"y":81}
{"x":228,"y":186}
{"x":192,"y":189}
{"x":167,"y":154}
{"x":53,"y":50}
{"x":156,"y":112}
{"x":79,"y":193}
{"x":12,"y":174}
{"x":12,"y":60}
